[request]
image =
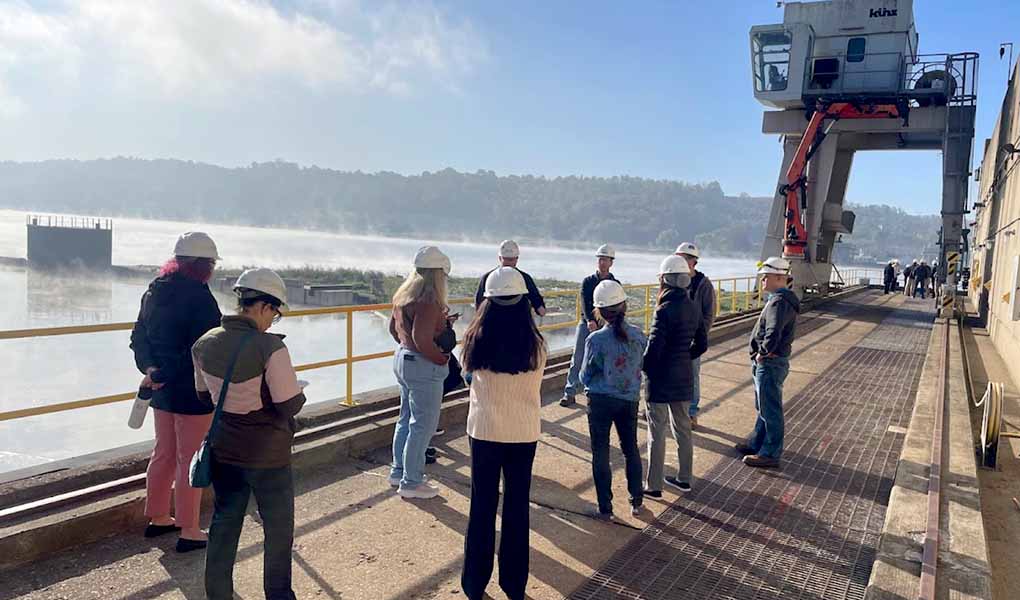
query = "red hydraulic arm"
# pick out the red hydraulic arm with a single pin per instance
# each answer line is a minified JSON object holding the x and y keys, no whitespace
{"x":795,"y":188}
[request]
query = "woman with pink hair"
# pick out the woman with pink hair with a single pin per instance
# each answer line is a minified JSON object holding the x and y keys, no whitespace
{"x":176,"y":310}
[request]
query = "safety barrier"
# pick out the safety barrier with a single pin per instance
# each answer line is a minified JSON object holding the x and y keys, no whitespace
{"x":733,"y":295}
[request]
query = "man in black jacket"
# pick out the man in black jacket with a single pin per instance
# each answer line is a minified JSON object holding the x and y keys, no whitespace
{"x":889,"y":277}
{"x":770,"y":346}
{"x":509,"y":253}
{"x":605,"y":255}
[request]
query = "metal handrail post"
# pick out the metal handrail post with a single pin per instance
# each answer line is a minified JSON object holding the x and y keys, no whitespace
{"x":350,"y":359}
{"x":648,"y":309}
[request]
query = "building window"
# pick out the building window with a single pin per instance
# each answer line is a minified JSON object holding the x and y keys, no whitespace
{"x":771,"y":60}
{"x":855,"y":49}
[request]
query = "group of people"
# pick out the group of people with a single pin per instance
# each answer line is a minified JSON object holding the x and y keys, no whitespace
{"x":228,"y":382}
{"x":918,"y":278}
{"x":504,"y":356}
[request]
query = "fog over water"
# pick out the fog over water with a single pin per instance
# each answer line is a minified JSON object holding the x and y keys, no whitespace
{"x":42,"y":371}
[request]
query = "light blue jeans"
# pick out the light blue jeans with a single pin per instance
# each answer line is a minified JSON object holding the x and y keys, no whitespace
{"x":574,"y":375}
{"x":696,"y":388}
{"x":421,"y":398}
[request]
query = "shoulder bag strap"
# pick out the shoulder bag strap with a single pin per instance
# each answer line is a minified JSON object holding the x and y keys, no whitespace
{"x":226,"y":384}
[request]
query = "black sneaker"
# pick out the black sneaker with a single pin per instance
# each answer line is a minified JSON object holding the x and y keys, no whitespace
{"x":186,"y":545}
{"x":602,"y":516}
{"x":440,"y":431}
{"x":431,"y":451}
{"x":567,"y":401}
{"x":683,"y":486}
{"x":152,"y":531}
{"x":744,"y":450}
{"x":653,"y":493}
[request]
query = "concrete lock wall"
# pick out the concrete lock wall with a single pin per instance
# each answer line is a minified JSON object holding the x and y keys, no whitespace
{"x":52,"y":246}
{"x":995,"y":243}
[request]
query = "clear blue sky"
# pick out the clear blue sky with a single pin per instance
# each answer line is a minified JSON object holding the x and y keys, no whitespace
{"x":655,"y":89}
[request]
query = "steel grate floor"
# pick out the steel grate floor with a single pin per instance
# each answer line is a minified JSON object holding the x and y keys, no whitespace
{"x":811,"y":529}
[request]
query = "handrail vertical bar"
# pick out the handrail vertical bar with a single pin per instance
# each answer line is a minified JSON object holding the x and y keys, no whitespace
{"x":648,"y":308}
{"x":350,"y":358}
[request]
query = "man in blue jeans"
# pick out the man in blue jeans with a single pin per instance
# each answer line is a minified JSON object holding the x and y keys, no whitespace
{"x":770,"y":346}
{"x":605,"y":255}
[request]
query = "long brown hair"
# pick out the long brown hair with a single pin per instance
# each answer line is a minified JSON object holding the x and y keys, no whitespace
{"x":503,"y":339}
{"x":616,"y":317}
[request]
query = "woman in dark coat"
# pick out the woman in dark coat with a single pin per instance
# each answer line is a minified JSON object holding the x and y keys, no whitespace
{"x":176,"y":310}
{"x":678,"y":335}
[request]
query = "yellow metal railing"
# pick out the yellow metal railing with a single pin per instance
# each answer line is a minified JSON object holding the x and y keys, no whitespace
{"x":732,"y":295}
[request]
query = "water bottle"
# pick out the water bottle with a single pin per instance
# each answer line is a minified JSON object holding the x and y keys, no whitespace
{"x":140,"y":407}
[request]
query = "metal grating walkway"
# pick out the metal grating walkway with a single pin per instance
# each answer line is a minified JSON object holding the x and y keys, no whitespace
{"x":811,"y":529}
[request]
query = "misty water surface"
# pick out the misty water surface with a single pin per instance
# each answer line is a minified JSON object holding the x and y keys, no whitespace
{"x":47,"y":370}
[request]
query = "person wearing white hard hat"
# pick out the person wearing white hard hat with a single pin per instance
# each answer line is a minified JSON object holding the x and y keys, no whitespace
{"x":176,"y":309}
{"x":679,"y":335}
{"x":509,"y":254}
{"x":506,"y":355}
{"x":611,"y":374}
{"x":248,"y":374}
{"x":889,"y":277}
{"x":909,"y":281}
{"x":605,"y":255}
{"x":420,"y":366}
{"x":702,"y":292}
{"x":770,"y":348}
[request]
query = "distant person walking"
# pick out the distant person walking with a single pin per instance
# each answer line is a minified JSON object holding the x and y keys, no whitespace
{"x":703,"y":294}
{"x":611,"y":374}
{"x":605,"y":256}
{"x":770,"y":347}
{"x":175,"y":311}
{"x":889,"y":276}
{"x":509,"y":254}
{"x":420,"y":366}
{"x":506,"y":355}
{"x":251,"y":441}
{"x":679,"y":335}
{"x":921,"y":276}
{"x":908,"y":278}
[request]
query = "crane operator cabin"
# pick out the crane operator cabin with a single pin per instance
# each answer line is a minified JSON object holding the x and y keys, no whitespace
{"x":842,"y":76}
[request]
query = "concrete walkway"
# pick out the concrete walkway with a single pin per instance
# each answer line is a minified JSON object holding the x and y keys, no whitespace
{"x":357,"y":540}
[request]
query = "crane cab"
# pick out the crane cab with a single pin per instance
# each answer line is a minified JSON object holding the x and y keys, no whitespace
{"x":840,"y":50}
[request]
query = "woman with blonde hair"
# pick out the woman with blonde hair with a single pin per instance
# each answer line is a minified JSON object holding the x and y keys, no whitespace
{"x":420,"y":366}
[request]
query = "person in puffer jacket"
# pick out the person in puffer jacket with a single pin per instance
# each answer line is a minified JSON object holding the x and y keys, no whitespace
{"x":176,"y":310}
{"x":770,"y":347}
{"x":251,"y":446}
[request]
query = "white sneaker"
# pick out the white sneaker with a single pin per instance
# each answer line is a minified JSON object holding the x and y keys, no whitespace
{"x":395,"y":481}
{"x":423,"y":490}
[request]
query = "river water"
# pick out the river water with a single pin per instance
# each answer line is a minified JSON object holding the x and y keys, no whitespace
{"x":43,"y":371}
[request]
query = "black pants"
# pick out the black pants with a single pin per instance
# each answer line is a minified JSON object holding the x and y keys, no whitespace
{"x":274,"y":494}
{"x":488,"y":461}
{"x":890,"y":286}
{"x":603,"y":413}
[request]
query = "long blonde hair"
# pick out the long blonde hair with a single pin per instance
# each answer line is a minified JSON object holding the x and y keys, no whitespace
{"x":422,"y":285}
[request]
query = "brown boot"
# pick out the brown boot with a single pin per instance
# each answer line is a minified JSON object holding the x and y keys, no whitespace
{"x":763,"y":462}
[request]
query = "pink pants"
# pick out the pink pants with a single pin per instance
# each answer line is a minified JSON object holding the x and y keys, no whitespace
{"x":177,"y":439}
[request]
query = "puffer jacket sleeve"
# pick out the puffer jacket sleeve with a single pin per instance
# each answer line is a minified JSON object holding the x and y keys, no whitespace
{"x":140,"y":343}
{"x":657,"y":340}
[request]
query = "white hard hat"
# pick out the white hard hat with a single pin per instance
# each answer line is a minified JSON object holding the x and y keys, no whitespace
{"x":196,"y":244}
{"x":509,"y":249}
{"x":674,"y":264}
{"x":774,"y":265}
{"x":430,"y":257}
{"x":689,"y":249}
{"x":609,"y":293}
{"x":505,"y":281}
{"x":606,"y":250}
{"x":255,"y":282}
